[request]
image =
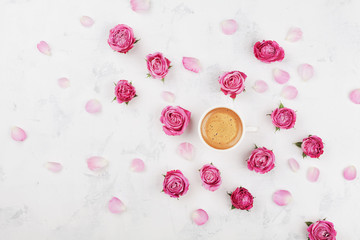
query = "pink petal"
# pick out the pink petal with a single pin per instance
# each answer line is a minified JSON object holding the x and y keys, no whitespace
{"x":186,"y":150}
{"x":350,"y":173}
{"x":200,"y":217}
{"x":229,"y":26}
{"x":64,"y":82}
{"x":260,"y":86}
{"x":86,"y":21}
{"x":44,"y":48}
{"x":137,"y":165}
{"x":18,"y":134}
{"x":306,"y":71}
{"x":191,"y":64}
{"x":294,"y":165}
{"x":116,"y":205}
{"x":53,"y":166}
{"x":96,"y":163}
{"x":289,"y":92}
{"x":313,"y":174}
{"x":294,"y":35}
{"x":168,"y":96}
{"x":282,"y":197}
{"x":140,"y":5}
{"x":355,"y":96}
{"x":281,"y":76}
{"x":93,"y":106}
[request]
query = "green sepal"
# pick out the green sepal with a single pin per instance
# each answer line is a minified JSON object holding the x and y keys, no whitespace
{"x":298,"y":144}
{"x":148,"y":75}
{"x":281,"y":105}
{"x":256,"y":147}
{"x":135,"y":95}
{"x":308,"y":223}
{"x":277,"y":129}
{"x":304,"y":155}
{"x":126,"y":103}
{"x":113,"y":99}
{"x":232,"y":207}
{"x":163,"y":80}
{"x":136,"y":40}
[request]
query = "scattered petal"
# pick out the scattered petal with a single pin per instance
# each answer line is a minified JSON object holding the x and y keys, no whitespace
{"x":93,"y":106}
{"x":294,"y":34}
{"x":229,"y":26}
{"x":260,"y":86}
{"x":53,"y":166}
{"x":116,"y":205}
{"x":140,"y":5}
{"x":186,"y":150}
{"x":44,"y":48}
{"x":200,"y":217}
{"x":137,"y":165}
{"x":313,"y":174}
{"x":281,"y":76}
{"x":191,"y":64}
{"x":350,"y":173}
{"x":18,"y":134}
{"x":306,"y":71}
{"x":289,"y":92}
{"x":294,"y":165}
{"x":86,"y":21}
{"x":168,"y":96}
{"x":282,"y":197}
{"x":97,"y":163}
{"x":64,"y":82}
{"x":355,"y":96}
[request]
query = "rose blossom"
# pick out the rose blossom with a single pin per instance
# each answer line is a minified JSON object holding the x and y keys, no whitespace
{"x":262,"y":160}
{"x":242,"y":199}
{"x":210,"y":177}
{"x":124,"y":91}
{"x":268,"y":51}
{"x":158,"y":65}
{"x":312,"y":146}
{"x":322,"y":230}
{"x":232,"y":83}
{"x":283,"y":118}
{"x":175,"y":184}
{"x":174,"y":120}
{"x":121,"y":38}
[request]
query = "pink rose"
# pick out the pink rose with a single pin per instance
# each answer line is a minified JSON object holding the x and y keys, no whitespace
{"x":158,"y":65}
{"x":121,"y":38}
{"x":174,"y":120}
{"x":242,"y":199}
{"x":210,"y":177}
{"x":321,"y":230}
{"x":268,"y":51}
{"x":232,"y":83}
{"x":312,"y":146}
{"x":175,"y":184}
{"x":124,"y":91}
{"x":262,"y":160}
{"x":283,"y":118}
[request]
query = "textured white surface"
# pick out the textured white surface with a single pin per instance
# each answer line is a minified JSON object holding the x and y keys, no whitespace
{"x":72,"y":204}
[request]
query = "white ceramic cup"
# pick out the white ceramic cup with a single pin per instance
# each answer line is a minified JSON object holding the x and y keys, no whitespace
{"x":245,"y":128}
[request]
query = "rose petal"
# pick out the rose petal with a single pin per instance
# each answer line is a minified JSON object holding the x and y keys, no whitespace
{"x":260,"y":86}
{"x":44,"y":48}
{"x":350,"y":173}
{"x":18,"y":134}
{"x":64,"y":82}
{"x":294,"y":165}
{"x":313,"y":174}
{"x":229,"y":26}
{"x":186,"y":150}
{"x":306,"y":71}
{"x":191,"y":64}
{"x":93,"y":106}
{"x":116,"y":205}
{"x":86,"y":21}
{"x":282,"y":197}
{"x":137,"y":165}
{"x":140,"y":5}
{"x":294,"y":35}
{"x":168,"y":96}
{"x":200,"y":217}
{"x":97,"y":163}
{"x":289,"y":92}
{"x":355,"y":96}
{"x":53,"y":166}
{"x":281,"y":76}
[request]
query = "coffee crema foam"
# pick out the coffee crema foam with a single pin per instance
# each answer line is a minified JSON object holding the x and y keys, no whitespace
{"x":221,"y":128}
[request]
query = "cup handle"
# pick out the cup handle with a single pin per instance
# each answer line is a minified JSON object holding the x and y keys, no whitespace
{"x":251,"y":129}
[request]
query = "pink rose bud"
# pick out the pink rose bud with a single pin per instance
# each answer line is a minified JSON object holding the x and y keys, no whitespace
{"x":121,"y":38}
{"x":232,"y":83}
{"x":158,"y":65}
{"x":321,"y":230}
{"x":261,"y":160}
{"x":175,"y":184}
{"x":311,"y":146}
{"x":242,"y":199}
{"x":174,"y":120}
{"x":124,"y":91}
{"x":268,"y":51}
{"x":210,"y":177}
{"x":283,"y":118}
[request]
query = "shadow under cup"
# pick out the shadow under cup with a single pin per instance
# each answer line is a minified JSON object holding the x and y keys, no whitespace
{"x":221,"y":128}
